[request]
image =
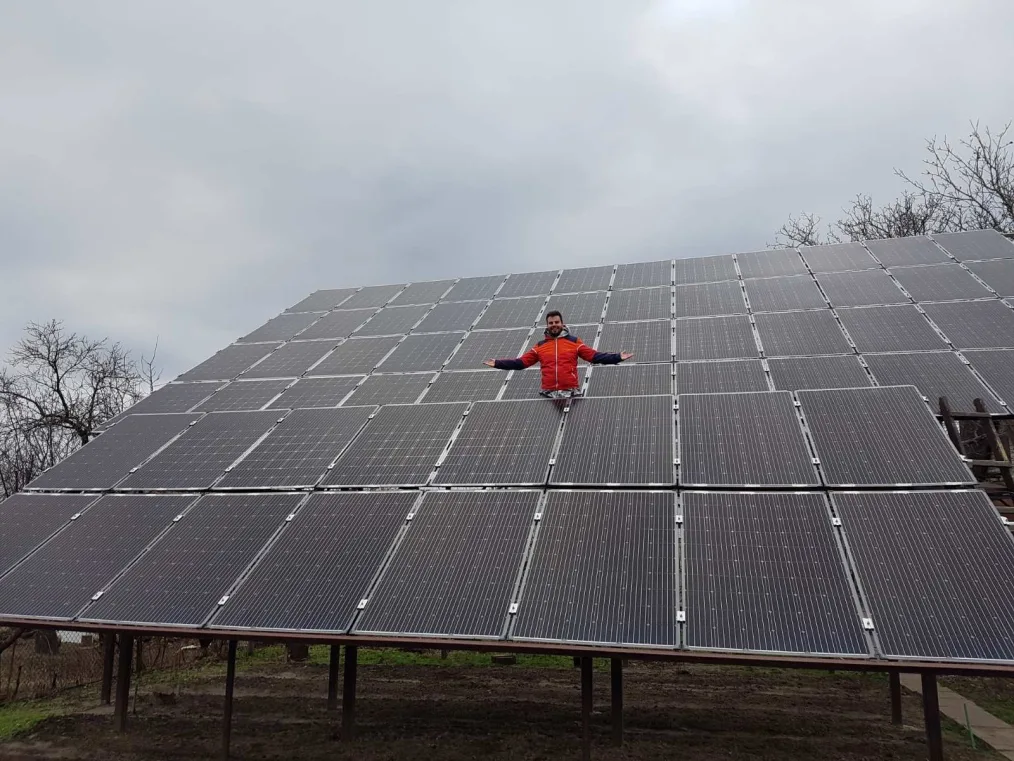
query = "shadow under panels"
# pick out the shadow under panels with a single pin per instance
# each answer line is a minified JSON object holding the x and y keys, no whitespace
{"x":511,"y":313}
{"x":838,"y":257}
{"x":793,"y":373}
{"x":479,"y":346}
{"x":60,"y":579}
{"x":281,"y":328}
{"x":340,"y":324}
{"x":451,"y":317}
{"x":705,"y":269}
{"x":229,"y":362}
{"x":901,"y":252}
{"x":356,"y":356}
{"x":937,"y":572}
{"x":393,"y":321}
{"x":998,"y":275}
{"x":182,"y":578}
{"x":316,"y":392}
{"x":465,"y":386}
{"x":974,"y":324}
{"x":935,"y":374}
{"x":480,"y":539}
{"x":322,"y":301}
{"x":643,"y":274}
{"x":475,"y":288}
{"x":779,"y":294}
{"x":28,"y":519}
{"x":713,"y":338}
{"x":372,"y":296}
{"x":428,"y":292}
{"x":640,"y":304}
{"x":997,"y":367}
{"x":771,"y":263}
{"x":743,"y":440}
{"x":940,"y":282}
{"x":584,"y":586}
{"x":244,"y":395}
{"x":708,"y":300}
{"x":390,"y":389}
{"x":765,"y":573}
{"x":882,"y":436}
{"x":976,"y":244}
{"x":890,"y":328}
{"x":630,"y":380}
{"x":649,"y":341}
{"x":869,"y":287}
{"x":290,"y":360}
{"x":720,"y":377}
{"x":584,"y":279}
{"x":173,"y":397}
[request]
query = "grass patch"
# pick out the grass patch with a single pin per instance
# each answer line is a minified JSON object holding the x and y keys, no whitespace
{"x":989,"y":693}
{"x":17,"y":718}
{"x":320,"y":655}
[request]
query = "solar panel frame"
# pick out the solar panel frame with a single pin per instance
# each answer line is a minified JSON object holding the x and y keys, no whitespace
{"x":481,"y":537}
{"x":640,"y":304}
{"x":704,"y":338}
{"x":775,"y":563}
{"x":222,"y":534}
{"x":291,"y":360}
{"x":890,"y":328}
{"x":743,"y":440}
{"x":996,"y":366}
{"x":939,"y":282}
{"x":936,"y":569}
{"x":477,"y":347}
{"x":427,"y":292}
{"x":503,"y":443}
{"x":475,"y":288}
{"x":356,"y":356}
{"x":725,"y":376}
{"x":838,"y":257}
{"x":578,"y":308}
{"x":392,"y":388}
{"x":338,"y":324}
{"x":528,"y":284}
{"x":643,"y":274}
{"x":322,"y":301}
{"x":974,"y":324}
{"x":779,"y":294}
{"x":229,"y":362}
{"x":901,"y":252}
{"x":865,"y":288}
{"x":976,"y":244}
{"x":393,"y":320}
{"x":281,"y":328}
{"x":426,"y":352}
{"x":321,"y":565}
{"x":581,"y":279}
{"x":172,"y":397}
{"x":880,"y":437}
{"x":372,"y":296}
{"x":708,"y":300}
{"x":997,"y":274}
{"x":502,"y":314}
{"x":706,"y":269}
{"x":316,"y":392}
{"x":244,"y":395}
{"x":200,"y":457}
{"x":935,"y":374}
{"x":650,"y":340}
{"x":451,"y":316}
{"x":29,"y":519}
{"x":465,"y":386}
{"x":584,"y":587}
{"x":399,"y":447}
{"x":771,"y":263}
{"x":838,"y":371}
{"x":630,"y":380}
{"x":595,"y":450}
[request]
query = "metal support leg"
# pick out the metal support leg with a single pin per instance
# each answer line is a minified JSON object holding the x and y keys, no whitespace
{"x":108,"y":661}
{"x":617,"y":692}
{"x":123,"y":681}
{"x":332,"y":678}
{"x":230,"y":683}
{"x":931,"y":712}
{"x":586,"y":708}
{"x":349,"y":693}
{"x":895,"y":697}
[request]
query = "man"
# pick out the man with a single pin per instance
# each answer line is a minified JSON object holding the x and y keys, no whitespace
{"x":558,"y":353}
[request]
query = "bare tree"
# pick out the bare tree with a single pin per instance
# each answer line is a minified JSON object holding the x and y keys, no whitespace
{"x":967,"y":187}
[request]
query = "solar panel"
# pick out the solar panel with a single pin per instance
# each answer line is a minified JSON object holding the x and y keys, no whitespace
{"x":937,"y":571}
{"x":649,"y":341}
{"x":793,"y":373}
{"x":578,"y":308}
{"x":896,"y":252}
{"x":643,"y":274}
{"x":281,"y":328}
{"x":584,"y":279}
{"x":355,"y":356}
{"x":454,"y":316}
{"x":528,"y":284}
{"x":771,"y":263}
{"x":974,"y":324}
{"x":173,"y":397}
{"x":60,"y":578}
{"x":425,"y":352}
{"x":503,"y":444}
{"x":340,"y":324}
{"x":764,"y":573}
{"x":742,"y":440}
{"x":423,"y":293}
{"x":480,"y":538}
{"x":372,"y":296}
{"x":879,"y":437}
{"x":316,"y":392}
{"x":776,"y":294}
{"x":710,"y":299}
{"x":393,"y":321}
{"x":29,"y":518}
{"x":939,"y":282}
{"x":401,"y":388}
{"x":714,"y":338}
{"x":720,"y":377}
{"x":898,"y":328}
{"x":850,"y":289}
{"x":527,"y":384}
{"x":466,"y":386}
{"x":706,"y":269}
{"x":244,"y":395}
{"x":838,"y":257}
{"x":935,"y":374}
{"x":298,"y":450}
{"x":106,"y":459}
{"x":998,"y":275}
{"x":583,"y":585}
{"x":976,"y":244}
{"x":479,"y":288}
{"x":179,"y":581}
{"x":493,"y":344}
{"x":399,"y":447}
{"x":322,"y":301}
{"x":624,"y":440}
{"x":290,"y":360}
{"x":313,"y":577}
{"x":228,"y":363}
{"x":997,"y":367}
{"x":640,"y":304}
{"x":197,"y":459}
{"x":511,"y":313}
{"x":631,"y":380}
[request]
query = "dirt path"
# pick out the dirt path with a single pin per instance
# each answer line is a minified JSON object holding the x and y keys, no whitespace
{"x":456,"y":713}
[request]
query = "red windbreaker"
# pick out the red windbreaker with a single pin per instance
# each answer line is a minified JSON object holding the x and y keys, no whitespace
{"x":558,"y":357}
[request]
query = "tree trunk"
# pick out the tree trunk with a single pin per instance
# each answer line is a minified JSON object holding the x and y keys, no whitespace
{"x":297,"y":651}
{"x":46,"y":642}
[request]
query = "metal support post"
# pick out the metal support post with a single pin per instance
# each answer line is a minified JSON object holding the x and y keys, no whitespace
{"x":123,"y":681}
{"x":349,"y":693}
{"x":108,"y":661}
{"x":230,"y":684}
{"x":895,"y":696}
{"x":332,"y":678}
{"x":931,"y":712}
{"x":586,"y":708}
{"x":617,"y":692}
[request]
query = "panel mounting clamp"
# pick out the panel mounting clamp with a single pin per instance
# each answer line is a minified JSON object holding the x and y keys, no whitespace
{"x":289,"y":517}
{"x":75,"y":516}
{"x":679,"y":520}
{"x":224,"y":600}
{"x":836,"y":521}
{"x":178,"y":518}
{"x":868,"y":624}
{"x":362,"y":603}
{"x":681,"y":616}
{"x":513,"y":609}
{"x":97,"y":595}
{"x":538,"y":516}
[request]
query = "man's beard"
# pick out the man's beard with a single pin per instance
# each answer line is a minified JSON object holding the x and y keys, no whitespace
{"x":554,"y":331}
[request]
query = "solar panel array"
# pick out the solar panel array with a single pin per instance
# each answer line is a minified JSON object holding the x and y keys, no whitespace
{"x":766,"y":475}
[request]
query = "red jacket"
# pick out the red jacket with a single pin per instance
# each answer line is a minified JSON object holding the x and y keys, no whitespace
{"x":558,"y":357}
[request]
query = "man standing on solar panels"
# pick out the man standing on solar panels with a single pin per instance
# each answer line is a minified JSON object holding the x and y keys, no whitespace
{"x":558,"y":353}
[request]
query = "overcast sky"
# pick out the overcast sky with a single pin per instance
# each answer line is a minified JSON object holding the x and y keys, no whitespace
{"x":189,"y":169}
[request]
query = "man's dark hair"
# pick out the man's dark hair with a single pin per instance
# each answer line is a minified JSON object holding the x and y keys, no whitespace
{"x":554,"y":313}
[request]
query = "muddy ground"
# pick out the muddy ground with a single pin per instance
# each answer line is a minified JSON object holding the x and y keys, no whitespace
{"x":498,"y":712}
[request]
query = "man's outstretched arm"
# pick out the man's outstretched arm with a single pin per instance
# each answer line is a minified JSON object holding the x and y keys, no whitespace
{"x":527,"y":359}
{"x":588,"y":354}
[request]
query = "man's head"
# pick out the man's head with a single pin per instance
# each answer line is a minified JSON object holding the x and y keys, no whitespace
{"x":554,"y":323}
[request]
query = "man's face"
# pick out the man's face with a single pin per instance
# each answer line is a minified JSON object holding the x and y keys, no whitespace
{"x":554,"y":325}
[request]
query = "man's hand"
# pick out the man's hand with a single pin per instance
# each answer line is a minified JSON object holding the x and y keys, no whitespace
{"x":490,"y":363}
{"x":625,"y":355}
